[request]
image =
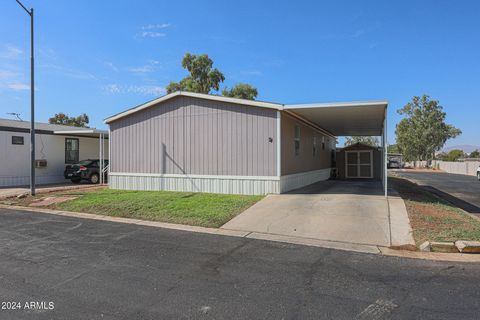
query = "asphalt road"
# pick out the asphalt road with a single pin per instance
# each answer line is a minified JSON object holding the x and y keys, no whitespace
{"x":462,"y":190}
{"x":103,"y":270}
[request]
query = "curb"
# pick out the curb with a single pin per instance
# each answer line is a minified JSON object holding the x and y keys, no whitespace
{"x":362,"y":248}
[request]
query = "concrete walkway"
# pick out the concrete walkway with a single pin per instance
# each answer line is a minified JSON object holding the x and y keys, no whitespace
{"x":342,"y":211}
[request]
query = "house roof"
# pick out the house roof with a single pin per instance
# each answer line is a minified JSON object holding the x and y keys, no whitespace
{"x":337,"y":118}
{"x":253,"y":103}
{"x":52,"y":128}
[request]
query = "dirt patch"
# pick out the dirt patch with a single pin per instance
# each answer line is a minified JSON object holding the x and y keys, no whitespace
{"x":433,"y":218}
{"x":50,"y":200}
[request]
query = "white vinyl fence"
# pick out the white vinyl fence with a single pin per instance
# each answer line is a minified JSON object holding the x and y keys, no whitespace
{"x":458,"y":167}
{"x":468,"y":167}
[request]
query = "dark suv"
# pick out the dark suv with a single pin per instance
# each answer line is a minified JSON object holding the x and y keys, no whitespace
{"x":84,"y":170}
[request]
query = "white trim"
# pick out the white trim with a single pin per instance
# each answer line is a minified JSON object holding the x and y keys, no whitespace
{"x":195,"y":176}
{"x":337,"y":104}
{"x":358,"y":164}
{"x":279,"y":143}
{"x":80,"y":131}
{"x":253,"y":103}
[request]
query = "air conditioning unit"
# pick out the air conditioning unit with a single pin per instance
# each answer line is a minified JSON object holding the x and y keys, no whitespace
{"x":40,"y":163}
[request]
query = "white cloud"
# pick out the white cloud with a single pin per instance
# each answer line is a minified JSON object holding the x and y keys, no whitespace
{"x":156,"y":26}
{"x":19,"y":86}
{"x":11,"y":52}
{"x":7,"y":74}
{"x":252,"y":72}
{"x":152,"y":34}
{"x":111,"y":66}
{"x":147,"y":90}
{"x":149,"y":67}
{"x":68,"y":72}
{"x":153,"y":30}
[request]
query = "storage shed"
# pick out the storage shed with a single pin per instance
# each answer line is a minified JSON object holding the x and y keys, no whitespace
{"x":359,"y":161}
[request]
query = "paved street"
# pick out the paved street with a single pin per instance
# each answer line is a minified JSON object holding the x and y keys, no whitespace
{"x":462,"y":190}
{"x":104,"y":270}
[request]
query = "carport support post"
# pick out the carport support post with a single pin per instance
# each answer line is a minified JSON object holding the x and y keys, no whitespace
{"x":385,"y":145}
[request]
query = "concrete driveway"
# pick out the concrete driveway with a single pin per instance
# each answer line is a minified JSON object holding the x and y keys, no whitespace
{"x":344,"y":211}
{"x":461,"y":190}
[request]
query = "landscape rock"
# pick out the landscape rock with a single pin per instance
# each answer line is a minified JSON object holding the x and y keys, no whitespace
{"x":425,"y":247}
{"x":443,"y":247}
{"x":22,"y":195}
{"x":468,"y":246}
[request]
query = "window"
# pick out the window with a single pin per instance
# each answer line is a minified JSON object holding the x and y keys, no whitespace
{"x":72,"y":148}
{"x":17,"y":140}
{"x":323,"y":143}
{"x":297,"y":140}
{"x":315,"y":149}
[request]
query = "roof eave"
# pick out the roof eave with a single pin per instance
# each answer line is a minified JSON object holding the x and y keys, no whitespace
{"x":169,"y":96}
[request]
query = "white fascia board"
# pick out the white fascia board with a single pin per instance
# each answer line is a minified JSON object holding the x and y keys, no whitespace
{"x":337,"y":104}
{"x":252,"y":103}
{"x":87,"y":131}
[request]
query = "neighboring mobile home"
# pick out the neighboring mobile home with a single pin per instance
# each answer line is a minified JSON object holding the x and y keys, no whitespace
{"x":204,"y":143}
{"x":56,"y":146}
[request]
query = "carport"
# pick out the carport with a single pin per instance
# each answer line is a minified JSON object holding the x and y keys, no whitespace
{"x":93,"y":133}
{"x":363,"y":118}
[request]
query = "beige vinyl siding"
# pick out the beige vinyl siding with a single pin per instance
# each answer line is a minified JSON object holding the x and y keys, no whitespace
{"x":186,"y":135}
{"x":305,"y":161}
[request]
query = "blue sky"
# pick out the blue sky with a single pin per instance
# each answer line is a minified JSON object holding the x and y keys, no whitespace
{"x":101,"y":57}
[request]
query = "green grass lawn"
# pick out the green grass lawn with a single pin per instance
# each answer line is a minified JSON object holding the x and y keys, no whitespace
{"x":433,"y":218}
{"x":198,"y":209}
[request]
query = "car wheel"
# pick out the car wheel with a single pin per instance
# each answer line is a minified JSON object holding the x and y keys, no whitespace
{"x":478,"y":176}
{"x":94,"y":178}
{"x":76,"y":180}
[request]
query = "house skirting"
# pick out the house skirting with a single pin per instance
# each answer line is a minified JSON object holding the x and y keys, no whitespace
{"x":11,"y":181}
{"x":298,"y":180}
{"x":250,"y":185}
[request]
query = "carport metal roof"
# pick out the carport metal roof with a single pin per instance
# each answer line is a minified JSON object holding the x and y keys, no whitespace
{"x":362,"y":118}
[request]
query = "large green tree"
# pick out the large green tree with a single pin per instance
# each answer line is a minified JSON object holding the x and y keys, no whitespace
{"x":203,"y":77}
{"x":61,"y":118}
{"x":241,"y":91}
{"x":454,"y":155}
{"x":423,"y":131}
{"x":475,"y":154}
{"x":368,"y":140}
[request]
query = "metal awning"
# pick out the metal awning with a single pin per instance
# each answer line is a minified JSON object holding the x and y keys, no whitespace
{"x":362,"y":118}
{"x":87,"y":132}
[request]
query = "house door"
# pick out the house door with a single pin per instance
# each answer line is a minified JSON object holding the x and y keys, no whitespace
{"x":359,"y":164}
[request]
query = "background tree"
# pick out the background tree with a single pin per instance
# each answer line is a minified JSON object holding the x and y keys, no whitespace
{"x":423,"y":131}
{"x":241,"y":91}
{"x":475,"y":154}
{"x":393,"y":148}
{"x":368,"y":140}
{"x":61,"y":118}
{"x":203,"y":77}
{"x":454,"y":155}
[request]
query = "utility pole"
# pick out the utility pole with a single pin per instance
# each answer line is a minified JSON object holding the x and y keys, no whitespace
{"x":32,"y":103}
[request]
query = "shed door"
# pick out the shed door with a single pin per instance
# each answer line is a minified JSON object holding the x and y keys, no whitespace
{"x":359,"y":164}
